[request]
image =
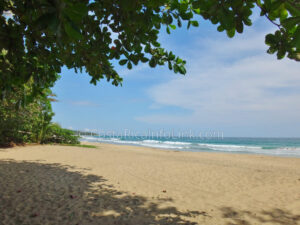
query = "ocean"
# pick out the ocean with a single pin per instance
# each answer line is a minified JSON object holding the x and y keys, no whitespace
{"x":289,"y":147}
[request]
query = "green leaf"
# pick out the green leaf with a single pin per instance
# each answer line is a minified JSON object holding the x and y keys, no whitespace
{"x":80,"y":8}
{"x":157,"y":26}
{"x":171,"y":56}
{"x":275,"y":5}
{"x":197,"y":11}
{"x":239,"y":27}
{"x":179,"y":22}
{"x":182,"y":70}
{"x":247,"y":22}
{"x":296,"y":40}
{"x":176,"y":68}
{"x":270,"y":39}
{"x":267,"y":4}
{"x":289,"y":23}
{"x":144,"y":59}
{"x":168,"y":30}
{"x":129,"y":65}
{"x":72,"y":31}
{"x":123,"y":62}
{"x":152,"y":62}
{"x":147,"y":48}
{"x":271,"y":50}
{"x":179,"y":60}
{"x":170,"y":65}
{"x":227,"y":20}
{"x":172,"y":26}
{"x":195,"y":23}
{"x":230,"y":33}
{"x":281,"y":53}
{"x":292,"y":10}
{"x":220,"y":28}
{"x":156,"y":44}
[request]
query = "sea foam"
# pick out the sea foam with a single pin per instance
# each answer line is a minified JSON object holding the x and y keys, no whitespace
{"x":252,"y":146}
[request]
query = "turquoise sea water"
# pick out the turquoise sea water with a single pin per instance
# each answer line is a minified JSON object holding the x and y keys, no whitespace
{"x":267,"y":146}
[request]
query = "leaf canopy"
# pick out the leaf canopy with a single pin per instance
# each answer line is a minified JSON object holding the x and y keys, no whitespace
{"x":39,"y":37}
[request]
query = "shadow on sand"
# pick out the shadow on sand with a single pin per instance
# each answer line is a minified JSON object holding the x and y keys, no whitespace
{"x":275,"y":216}
{"x":38,"y":193}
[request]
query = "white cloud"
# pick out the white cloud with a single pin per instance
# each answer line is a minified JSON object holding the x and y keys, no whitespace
{"x":231,"y":81}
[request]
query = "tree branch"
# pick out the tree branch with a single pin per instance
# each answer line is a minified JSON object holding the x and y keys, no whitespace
{"x":266,"y":15}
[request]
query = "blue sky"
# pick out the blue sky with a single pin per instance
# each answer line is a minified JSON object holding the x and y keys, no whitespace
{"x":232,"y":86}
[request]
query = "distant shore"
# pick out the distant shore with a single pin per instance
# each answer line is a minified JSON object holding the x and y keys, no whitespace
{"x":119,"y":184}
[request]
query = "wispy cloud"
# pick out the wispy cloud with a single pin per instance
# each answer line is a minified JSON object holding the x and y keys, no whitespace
{"x":231,"y":81}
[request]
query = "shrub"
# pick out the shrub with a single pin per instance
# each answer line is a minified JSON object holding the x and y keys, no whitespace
{"x":56,"y":134}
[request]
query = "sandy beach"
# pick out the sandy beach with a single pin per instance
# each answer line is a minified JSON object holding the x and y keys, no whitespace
{"x":114,"y":184}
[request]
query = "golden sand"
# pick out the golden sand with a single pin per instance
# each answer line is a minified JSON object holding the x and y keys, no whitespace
{"x":115,"y":184}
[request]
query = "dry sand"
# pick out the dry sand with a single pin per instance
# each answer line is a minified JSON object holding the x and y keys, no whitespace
{"x":133,"y":185}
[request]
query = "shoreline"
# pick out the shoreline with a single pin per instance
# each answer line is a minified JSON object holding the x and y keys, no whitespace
{"x":121,"y":184}
{"x":199,"y":151}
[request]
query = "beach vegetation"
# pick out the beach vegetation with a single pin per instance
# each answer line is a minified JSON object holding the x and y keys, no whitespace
{"x":56,"y":134}
{"x":31,"y":122}
{"x":80,"y":145}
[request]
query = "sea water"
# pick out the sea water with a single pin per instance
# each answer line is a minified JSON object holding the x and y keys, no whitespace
{"x":267,"y":146}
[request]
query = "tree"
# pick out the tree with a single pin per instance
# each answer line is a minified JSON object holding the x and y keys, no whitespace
{"x":39,"y":37}
{"x":27,"y":123}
